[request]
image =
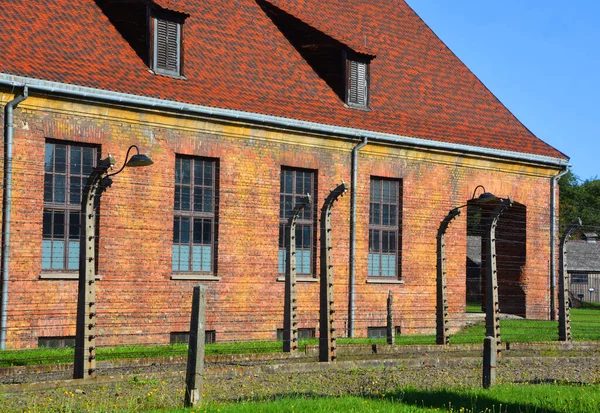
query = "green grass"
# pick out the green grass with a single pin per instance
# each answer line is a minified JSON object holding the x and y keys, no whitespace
{"x":585,"y":326}
{"x":473,"y":308}
{"x":546,"y":398}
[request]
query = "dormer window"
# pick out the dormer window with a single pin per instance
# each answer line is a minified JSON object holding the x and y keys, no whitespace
{"x":357,"y":83}
{"x":167,"y":47}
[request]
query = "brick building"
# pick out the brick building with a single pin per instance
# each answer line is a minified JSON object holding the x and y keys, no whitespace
{"x":244,"y":106}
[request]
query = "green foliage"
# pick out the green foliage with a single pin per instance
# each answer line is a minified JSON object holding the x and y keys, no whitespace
{"x":579,"y":200}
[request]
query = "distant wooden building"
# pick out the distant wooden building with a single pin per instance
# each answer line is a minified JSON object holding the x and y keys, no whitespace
{"x":583,"y":268}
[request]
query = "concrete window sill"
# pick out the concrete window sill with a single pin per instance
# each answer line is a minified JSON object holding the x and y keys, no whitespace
{"x":194,"y":277}
{"x":63,"y":276}
{"x":383,"y":281}
{"x":301,"y":279}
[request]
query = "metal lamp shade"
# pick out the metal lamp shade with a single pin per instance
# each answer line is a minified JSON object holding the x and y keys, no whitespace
{"x":139,"y":160}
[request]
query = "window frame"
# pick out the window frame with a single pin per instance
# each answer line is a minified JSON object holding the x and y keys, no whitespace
{"x":66,"y":206}
{"x":301,"y":222}
{"x":193,"y":215}
{"x":381,"y":228}
{"x":350,"y":60}
{"x":178,"y":72}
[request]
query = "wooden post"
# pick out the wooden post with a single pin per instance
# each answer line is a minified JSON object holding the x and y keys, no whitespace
{"x":442,"y":314}
{"x":195,"y":364}
{"x":390,"y":318}
{"x":327,"y":344}
{"x":290,"y":316}
{"x":564,"y":316}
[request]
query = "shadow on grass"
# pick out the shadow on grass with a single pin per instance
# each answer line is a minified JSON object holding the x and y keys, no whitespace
{"x":447,"y":400}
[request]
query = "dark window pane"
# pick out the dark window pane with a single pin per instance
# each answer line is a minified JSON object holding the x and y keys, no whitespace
{"x":48,"y":188}
{"x":299,"y":182}
{"x":198,"y":169}
{"x":59,"y":188}
{"x":282,"y":236}
{"x":307,"y":229}
{"x":208,"y":207}
{"x":185,"y":171}
{"x":198,"y":193}
{"x":47,"y":230}
{"x":75,"y":160}
{"x":376,"y":191}
{"x":74,"y":225}
{"x":393,"y":215}
{"x":88,"y":161}
{"x":75,"y":190}
{"x":198,"y":231}
{"x":177,"y":170}
{"x":176,"y":236}
{"x":386,"y":192}
{"x":376,"y":243}
{"x":208,"y":173}
{"x":308,"y":184}
{"x":59,"y":224}
{"x":393,"y":241}
{"x":385,"y":241}
{"x":376,"y":214}
{"x":386,"y":215}
{"x":289,"y":180}
{"x":185,"y":198}
{"x":60,"y":159}
{"x":281,"y":206}
{"x":184,"y":231}
{"x":207,"y":232}
{"x":177,"y":198}
{"x":288,"y":206}
{"x":49,"y":158}
{"x":393,"y":192}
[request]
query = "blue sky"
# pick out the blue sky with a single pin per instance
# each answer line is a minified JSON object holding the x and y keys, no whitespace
{"x":540,"y":58}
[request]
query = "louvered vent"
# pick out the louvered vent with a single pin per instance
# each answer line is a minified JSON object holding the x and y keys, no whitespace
{"x":357,"y":83}
{"x":167,"y":46}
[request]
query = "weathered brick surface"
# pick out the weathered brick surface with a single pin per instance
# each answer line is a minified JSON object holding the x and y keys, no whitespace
{"x":138,"y":302}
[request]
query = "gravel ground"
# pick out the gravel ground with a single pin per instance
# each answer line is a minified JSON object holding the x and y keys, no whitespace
{"x":161,"y":386}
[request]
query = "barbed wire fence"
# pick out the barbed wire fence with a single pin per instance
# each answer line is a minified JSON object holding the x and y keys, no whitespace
{"x":138,"y":302}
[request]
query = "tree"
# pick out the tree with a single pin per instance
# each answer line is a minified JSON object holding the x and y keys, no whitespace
{"x":579,"y":200}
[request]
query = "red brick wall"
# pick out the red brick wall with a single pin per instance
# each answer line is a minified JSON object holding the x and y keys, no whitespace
{"x":137,"y":300}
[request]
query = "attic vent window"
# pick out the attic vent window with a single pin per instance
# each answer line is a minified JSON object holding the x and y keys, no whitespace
{"x":357,"y":81}
{"x":167,"y":47}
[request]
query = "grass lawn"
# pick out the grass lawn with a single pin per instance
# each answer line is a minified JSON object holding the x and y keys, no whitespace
{"x":547,"y":398}
{"x":585,"y":326}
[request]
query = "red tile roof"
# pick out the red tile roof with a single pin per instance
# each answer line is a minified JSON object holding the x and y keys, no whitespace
{"x":236,"y":58}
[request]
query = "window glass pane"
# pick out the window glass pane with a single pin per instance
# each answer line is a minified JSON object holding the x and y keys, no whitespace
{"x":74,"y":227}
{"x":75,"y":160}
{"x":393,"y":237}
{"x":185,"y":171}
{"x":207,"y":232}
{"x":289,"y":180}
{"x":376,"y":242}
{"x":88,"y":161}
{"x":376,"y":184}
{"x":185,"y":198}
{"x":47,"y":228}
{"x":178,"y":171}
{"x":175,"y":262}
{"x":176,"y":236}
{"x":198,"y":169}
{"x":208,"y":207}
{"x":59,"y":188}
{"x":308,"y":184}
{"x":60,"y":159}
{"x":306,"y":231}
{"x":75,"y":190}
{"x":376,"y":214}
{"x":73,"y":258}
{"x":49,"y":158}
{"x":184,"y":258}
{"x":198,"y":194}
{"x":184,"y":232}
{"x":198,"y":231}
{"x":177,"y":198}
{"x":299,"y":182}
{"x":392,"y":214}
{"x":59,"y":224}
{"x":208,"y":173}
{"x":384,"y":241}
{"x":386,"y":215}
{"x":393,"y":192}
{"x":48,"y":188}
{"x":58,"y":255}
{"x":288,"y":206}
{"x":370,"y":240}
{"x":386,"y":192}
{"x":46,"y":254}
